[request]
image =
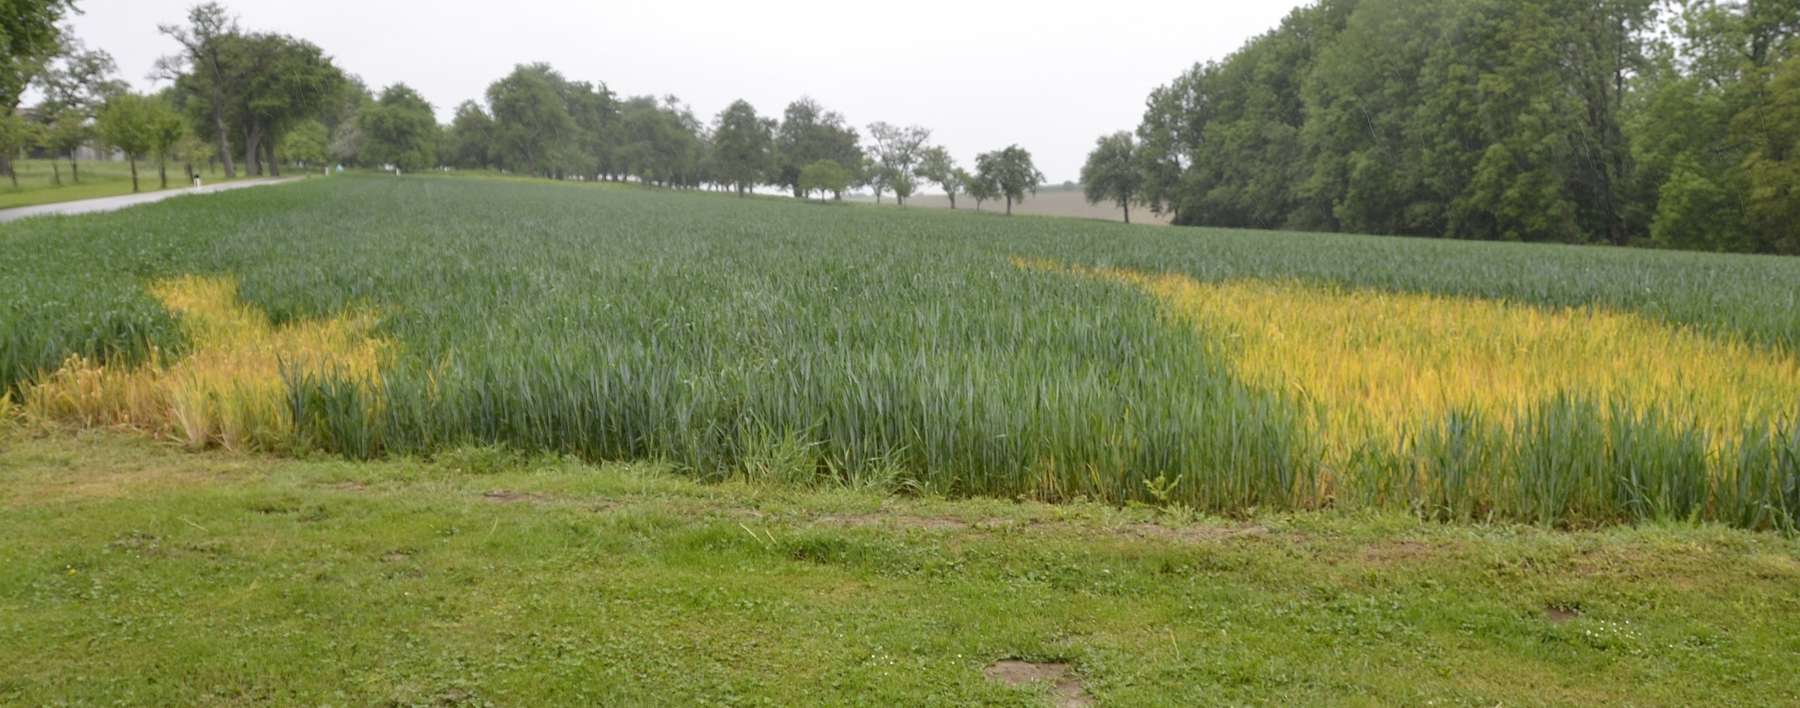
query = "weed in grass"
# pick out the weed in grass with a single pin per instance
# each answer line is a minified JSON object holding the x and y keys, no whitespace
{"x":480,"y":459}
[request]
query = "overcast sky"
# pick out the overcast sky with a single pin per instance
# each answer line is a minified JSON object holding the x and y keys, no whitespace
{"x":981,"y":74}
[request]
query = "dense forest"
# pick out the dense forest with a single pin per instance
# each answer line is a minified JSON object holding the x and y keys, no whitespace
{"x":1671,"y":123}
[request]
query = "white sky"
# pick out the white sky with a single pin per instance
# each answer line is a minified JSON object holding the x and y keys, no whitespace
{"x":1047,"y":74}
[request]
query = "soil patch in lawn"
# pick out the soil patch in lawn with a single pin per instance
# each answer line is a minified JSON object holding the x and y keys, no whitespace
{"x":1066,"y":690}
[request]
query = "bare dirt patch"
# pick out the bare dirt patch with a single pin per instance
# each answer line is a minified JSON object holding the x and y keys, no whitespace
{"x":1561,"y":614}
{"x":1195,"y":534}
{"x":1066,"y":690}
{"x":1403,"y":551}
{"x":931,"y":523}
{"x":507,"y":496}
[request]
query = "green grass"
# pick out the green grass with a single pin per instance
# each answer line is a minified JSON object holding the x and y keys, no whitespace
{"x":854,"y":344}
{"x":37,"y":183}
{"x":136,"y":574}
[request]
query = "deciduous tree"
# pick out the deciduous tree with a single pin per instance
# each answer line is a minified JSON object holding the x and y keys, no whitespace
{"x":208,"y":68}
{"x":936,"y":166}
{"x":532,"y":127}
{"x":29,"y":36}
{"x":809,"y":133}
{"x":825,"y":177}
{"x":16,"y":134}
{"x":307,"y":144}
{"x":1011,"y":174}
{"x":982,"y":187}
{"x":166,"y":131}
{"x":1113,"y":172}
{"x":899,"y":150}
{"x":128,"y":122}
{"x":400,"y":130}
{"x":742,"y":143}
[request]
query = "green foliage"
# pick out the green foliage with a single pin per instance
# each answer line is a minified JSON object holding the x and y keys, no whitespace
{"x":293,"y":84}
{"x":128,"y":122}
{"x":400,"y":130}
{"x":898,"y":150}
{"x":480,"y":460}
{"x":133,"y":124}
{"x":29,"y":36}
{"x":307,"y":143}
{"x":1009,"y":174}
{"x":824,"y":176}
{"x":807,"y":135}
{"x":1772,"y":168}
{"x":743,"y":145}
{"x":1695,"y":211}
{"x":937,"y":166}
{"x":980,"y":187}
{"x":79,"y":79}
{"x":1534,"y":120}
{"x":471,"y":137}
{"x":66,"y":132}
{"x":16,"y":134}
{"x":532,"y":127}
{"x":1112,"y":172}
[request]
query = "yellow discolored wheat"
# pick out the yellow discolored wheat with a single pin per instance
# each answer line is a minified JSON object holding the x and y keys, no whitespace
{"x":1376,"y":365}
{"x":229,"y":388}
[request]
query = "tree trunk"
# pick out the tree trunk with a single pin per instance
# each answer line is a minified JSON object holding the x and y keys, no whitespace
{"x":12,"y":171}
{"x":55,"y":172}
{"x":952,"y":196}
{"x":1127,"y":207}
{"x":274,"y":161}
{"x":134,"y":182}
{"x":252,"y":150}
{"x":1009,"y":205}
{"x":162,"y":172}
{"x":74,"y":168}
{"x":218,"y":116}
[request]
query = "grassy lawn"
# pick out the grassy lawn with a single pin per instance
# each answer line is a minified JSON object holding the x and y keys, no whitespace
{"x":98,"y":179}
{"x":136,"y":573}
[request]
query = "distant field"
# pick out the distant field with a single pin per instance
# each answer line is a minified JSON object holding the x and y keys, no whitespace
{"x":1054,"y":201}
{"x":922,"y":350}
{"x":99,"y":178}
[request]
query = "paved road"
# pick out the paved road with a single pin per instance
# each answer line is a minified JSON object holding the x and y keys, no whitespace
{"x":90,"y":206}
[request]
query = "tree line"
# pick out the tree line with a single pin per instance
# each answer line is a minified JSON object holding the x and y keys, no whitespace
{"x":1671,"y":123}
{"x":250,"y":102}
{"x":536,"y":121}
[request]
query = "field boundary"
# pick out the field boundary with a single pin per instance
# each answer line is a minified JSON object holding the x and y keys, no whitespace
{"x":106,"y":204}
